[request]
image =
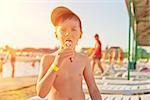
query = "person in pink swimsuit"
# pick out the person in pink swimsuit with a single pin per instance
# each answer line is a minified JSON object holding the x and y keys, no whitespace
{"x":97,"y":54}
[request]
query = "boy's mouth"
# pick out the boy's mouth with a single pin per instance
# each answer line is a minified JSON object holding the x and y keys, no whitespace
{"x":68,"y":43}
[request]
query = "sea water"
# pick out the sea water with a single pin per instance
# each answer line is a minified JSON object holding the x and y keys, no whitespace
{"x":21,"y":69}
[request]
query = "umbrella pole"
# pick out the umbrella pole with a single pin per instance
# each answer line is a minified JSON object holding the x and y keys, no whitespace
{"x":129,"y":40}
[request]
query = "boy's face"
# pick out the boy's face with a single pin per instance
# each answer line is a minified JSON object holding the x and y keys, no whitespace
{"x":68,"y":31}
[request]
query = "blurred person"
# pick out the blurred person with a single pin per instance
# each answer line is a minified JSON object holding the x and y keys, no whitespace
{"x":12,"y":56}
{"x":2,"y":61}
{"x":97,"y":54}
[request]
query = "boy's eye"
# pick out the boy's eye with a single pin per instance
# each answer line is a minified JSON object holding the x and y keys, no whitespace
{"x":63,"y":30}
{"x":73,"y":29}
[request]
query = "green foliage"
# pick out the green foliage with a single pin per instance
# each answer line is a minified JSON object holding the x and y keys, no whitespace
{"x":142,"y":54}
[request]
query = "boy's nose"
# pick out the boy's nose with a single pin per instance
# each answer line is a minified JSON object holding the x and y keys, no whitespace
{"x":67,"y":33}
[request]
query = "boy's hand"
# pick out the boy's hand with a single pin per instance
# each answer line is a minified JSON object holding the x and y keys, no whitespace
{"x":63,"y":54}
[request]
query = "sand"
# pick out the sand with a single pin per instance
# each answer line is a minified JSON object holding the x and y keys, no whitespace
{"x":18,"y":94}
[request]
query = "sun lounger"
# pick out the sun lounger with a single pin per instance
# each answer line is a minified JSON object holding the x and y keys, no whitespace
{"x":145,"y":97}
{"x":37,"y":98}
{"x":118,"y":97}
{"x":121,"y":86}
{"x":138,"y":75}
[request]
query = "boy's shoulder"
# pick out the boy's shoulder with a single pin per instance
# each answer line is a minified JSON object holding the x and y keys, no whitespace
{"x":83,"y":56}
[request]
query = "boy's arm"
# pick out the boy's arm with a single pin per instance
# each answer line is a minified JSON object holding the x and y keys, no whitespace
{"x":90,"y":81}
{"x":46,"y":76}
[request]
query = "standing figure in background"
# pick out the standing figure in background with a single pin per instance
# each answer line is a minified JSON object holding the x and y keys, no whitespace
{"x":97,"y":54}
{"x":1,"y":65}
{"x":115,"y":55}
{"x":12,"y":56}
{"x":2,"y":61}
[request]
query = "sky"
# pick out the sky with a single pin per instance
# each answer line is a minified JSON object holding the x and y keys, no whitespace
{"x":26,"y":23}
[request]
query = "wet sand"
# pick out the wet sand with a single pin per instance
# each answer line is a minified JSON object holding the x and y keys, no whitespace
{"x":18,"y":94}
{"x":19,"y":88}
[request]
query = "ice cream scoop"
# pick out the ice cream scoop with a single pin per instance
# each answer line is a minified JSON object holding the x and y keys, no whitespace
{"x":68,"y":43}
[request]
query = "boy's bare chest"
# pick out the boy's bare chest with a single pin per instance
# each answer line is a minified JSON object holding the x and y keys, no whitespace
{"x":71,"y":69}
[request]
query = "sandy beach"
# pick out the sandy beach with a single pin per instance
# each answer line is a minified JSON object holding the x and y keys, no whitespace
{"x":18,"y":94}
{"x":19,"y":88}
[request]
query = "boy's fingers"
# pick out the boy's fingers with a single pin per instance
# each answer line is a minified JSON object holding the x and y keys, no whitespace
{"x":67,"y":49}
{"x":64,"y":52}
{"x":67,"y":55}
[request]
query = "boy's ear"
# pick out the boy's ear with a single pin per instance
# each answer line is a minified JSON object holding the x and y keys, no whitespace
{"x":55,"y":35}
{"x":80,"y":35}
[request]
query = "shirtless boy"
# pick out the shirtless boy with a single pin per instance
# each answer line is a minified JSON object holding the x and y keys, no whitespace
{"x":62,"y":72}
